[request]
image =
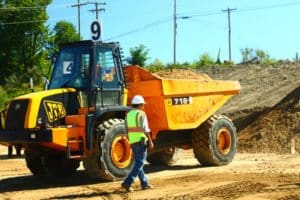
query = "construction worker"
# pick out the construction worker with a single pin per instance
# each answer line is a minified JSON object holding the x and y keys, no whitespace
{"x":139,"y":138}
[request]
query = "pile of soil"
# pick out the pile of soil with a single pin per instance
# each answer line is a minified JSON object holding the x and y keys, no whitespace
{"x":273,"y":130}
{"x":182,"y":74}
{"x":262,"y":86}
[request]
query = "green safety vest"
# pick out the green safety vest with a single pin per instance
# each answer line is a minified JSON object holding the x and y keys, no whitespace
{"x":134,"y":126}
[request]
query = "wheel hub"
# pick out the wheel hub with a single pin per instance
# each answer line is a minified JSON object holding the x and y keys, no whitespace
{"x":224,"y":141}
{"x":121,"y":153}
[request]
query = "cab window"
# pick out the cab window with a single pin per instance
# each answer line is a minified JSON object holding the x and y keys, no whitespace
{"x":71,"y":69}
{"x":105,"y":69}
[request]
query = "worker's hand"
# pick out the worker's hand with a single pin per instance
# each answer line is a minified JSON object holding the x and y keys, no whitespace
{"x":150,"y":145}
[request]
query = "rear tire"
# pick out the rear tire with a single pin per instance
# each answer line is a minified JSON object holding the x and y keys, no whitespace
{"x":112,"y":158}
{"x":167,"y":157}
{"x":214,"y":142}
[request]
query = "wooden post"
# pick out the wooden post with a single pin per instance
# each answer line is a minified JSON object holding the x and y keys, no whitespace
{"x":293,"y":149}
{"x":293,"y":144}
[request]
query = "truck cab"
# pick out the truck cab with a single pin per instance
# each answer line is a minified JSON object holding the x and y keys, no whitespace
{"x":91,"y":67}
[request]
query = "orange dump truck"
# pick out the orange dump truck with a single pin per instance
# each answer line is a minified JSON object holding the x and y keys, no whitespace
{"x":181,"y":115}
{"x":80,"y":118}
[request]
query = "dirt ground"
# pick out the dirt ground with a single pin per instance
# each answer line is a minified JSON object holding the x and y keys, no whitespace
{"x":249,"y":176}
{"x":267,"y":117}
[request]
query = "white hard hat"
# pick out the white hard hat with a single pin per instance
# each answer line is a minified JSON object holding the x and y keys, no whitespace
{"x":138,"y":99}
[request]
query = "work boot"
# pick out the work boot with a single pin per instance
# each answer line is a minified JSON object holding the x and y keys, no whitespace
{"x":147,"y":187}
{"x":128,"y":188}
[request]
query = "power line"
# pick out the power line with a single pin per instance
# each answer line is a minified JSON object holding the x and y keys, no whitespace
{"x":33,"y":21}
{"x":32,"y":8}
{"x":228,"y":10}
{"x":155,"y":23}
{"x":158,"y":22}
{"x":97,"y":8}
{"x":21,"y":8}
{"x":204,"y":14}
{"x":175,"y":33}
{"x":78,"y":5}
{"x":270,"y":6}
{"x":201,"y":14}
{"x":216,"y":12}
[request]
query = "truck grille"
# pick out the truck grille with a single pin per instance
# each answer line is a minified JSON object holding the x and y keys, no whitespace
{"x":16,"y":114}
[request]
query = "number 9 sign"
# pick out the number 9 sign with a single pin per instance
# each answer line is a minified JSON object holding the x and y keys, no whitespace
{"x":96,"y":31}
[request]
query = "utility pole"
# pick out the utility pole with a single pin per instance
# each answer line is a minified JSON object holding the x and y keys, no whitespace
{"x":175,"y":33}
{"x":97,"y":9}
{"x":78,"y":5}
{"x":228,"y":10}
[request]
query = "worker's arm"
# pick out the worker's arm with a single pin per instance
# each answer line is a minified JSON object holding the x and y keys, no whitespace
{"x":150,"y":142}
{"x":147,"y":131}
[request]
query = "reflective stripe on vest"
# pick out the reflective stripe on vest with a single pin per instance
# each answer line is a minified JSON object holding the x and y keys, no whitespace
{"x":134,"y":126}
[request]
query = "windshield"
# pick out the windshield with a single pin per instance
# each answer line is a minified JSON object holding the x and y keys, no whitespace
{"x":72,"y":68}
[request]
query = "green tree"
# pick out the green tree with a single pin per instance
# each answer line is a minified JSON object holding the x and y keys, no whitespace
{"x":63,"y":32}
{"x":24,"y":35}
{"x":139,"y":55}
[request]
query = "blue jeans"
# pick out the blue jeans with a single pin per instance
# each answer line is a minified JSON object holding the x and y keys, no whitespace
{"x":140,"y":155}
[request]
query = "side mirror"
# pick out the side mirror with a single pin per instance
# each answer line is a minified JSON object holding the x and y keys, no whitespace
{"x":31,"y":84}
{"x":46,"y":82}
{"x":53,"y":59}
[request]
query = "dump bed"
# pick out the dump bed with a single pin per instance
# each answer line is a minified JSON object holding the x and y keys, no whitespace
{"x":178,"y":104}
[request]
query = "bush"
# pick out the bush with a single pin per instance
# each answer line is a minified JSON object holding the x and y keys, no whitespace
{"x":157,"y":65}
{"x":205,"y":60}
{"x":256,"y":56}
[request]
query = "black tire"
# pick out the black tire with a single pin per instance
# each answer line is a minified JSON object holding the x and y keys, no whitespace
{"x":57,"y":165}
{"x":103,"y":163}
{"x":215,"y":141}
{"x":167,"y":157}
{"x":50,"y":165}
{"x":35,"y":164}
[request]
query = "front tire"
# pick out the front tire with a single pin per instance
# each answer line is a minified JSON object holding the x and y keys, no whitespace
{"x":112,"y":158}
{"x":34,"y":163}
{"x":57,"y":165}
{"x":214,"y":142}
{"x":48,"y":165}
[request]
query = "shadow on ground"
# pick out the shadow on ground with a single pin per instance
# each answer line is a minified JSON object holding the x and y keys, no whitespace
{"x":30,"y":182}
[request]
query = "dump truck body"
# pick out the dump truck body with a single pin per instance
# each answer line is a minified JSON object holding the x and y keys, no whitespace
{"x":178,"y":104}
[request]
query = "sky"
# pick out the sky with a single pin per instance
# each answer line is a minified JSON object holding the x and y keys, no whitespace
{"x":202,"y":27}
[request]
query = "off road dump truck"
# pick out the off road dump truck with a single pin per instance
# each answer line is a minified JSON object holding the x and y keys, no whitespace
{"x":81,"y":116}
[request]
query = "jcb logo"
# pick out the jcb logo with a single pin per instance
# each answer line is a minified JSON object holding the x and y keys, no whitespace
{"x":54,"y":110}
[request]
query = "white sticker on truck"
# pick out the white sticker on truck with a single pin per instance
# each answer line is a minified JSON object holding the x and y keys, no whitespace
{"x":181,"y":100}
{"x":67,"y":67}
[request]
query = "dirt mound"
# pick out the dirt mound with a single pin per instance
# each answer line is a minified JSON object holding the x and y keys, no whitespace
{"x":182,"y":74}
{"x":262,"y":86}
{"x":273,"y":130}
